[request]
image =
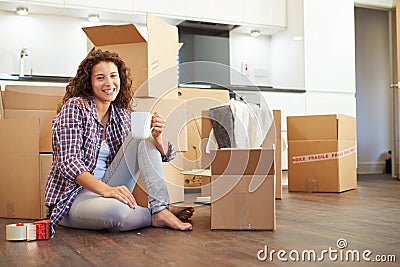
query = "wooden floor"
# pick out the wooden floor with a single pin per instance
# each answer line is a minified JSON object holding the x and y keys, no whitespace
{"x":367,"y":218}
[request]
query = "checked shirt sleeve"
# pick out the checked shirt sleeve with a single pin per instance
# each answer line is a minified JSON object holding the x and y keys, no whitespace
{"x":171,"y":153}
{"x":69,"y":141}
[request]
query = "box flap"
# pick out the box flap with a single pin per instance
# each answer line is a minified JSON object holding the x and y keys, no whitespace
{"x":113,"y":34}
{"x":347,"y":127}
{"x":318,"y":127}
{"x":242,"y":161}
{"x":29,"y":101}
{"x":163,"y":42}
{"x":38,"y":90}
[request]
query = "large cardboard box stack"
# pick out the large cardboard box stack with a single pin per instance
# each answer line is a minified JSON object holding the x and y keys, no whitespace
{"x":243,"y":190}
{"x":322,"y":153}
{"x":152,"y":60}
{"x":151,"y":57}
{"x":33,"y":102}
{"x":25,"y":143}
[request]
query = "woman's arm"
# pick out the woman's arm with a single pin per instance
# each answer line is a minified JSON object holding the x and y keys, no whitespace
{"x":158,"y":122}
{"x":120,"y":193}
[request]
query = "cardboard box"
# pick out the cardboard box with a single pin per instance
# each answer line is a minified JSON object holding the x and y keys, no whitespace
{"x":275,"y":132}
{"x":175,"y":113}
{"x":23,"y":170}
{"x":200,"y":178}
{"x":243,"y":189}
{"x":198,"y":100}
{"x":278,"y":154}
{"x":174,"y":181}
{"x":33,"y":102}
{"x":152,"y":60}
{"x":322,"y":153}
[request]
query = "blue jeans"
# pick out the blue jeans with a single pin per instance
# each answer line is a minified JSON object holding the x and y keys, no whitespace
{"x":92,"y":211}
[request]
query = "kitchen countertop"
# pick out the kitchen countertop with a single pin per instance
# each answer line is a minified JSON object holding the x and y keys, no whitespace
{"x":244,"y":88}
{"x":31,"y":80}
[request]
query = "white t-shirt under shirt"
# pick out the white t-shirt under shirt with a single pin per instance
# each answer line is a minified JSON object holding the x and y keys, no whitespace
{"x":101,"y":166}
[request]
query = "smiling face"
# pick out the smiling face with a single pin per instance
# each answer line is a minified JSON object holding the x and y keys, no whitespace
{"x":105,"y":82}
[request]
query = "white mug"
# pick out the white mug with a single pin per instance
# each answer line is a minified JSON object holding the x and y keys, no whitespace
{"x":141,"y":124}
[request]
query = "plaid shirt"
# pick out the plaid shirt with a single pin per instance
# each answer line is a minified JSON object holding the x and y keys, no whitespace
{"x":77,"y":136}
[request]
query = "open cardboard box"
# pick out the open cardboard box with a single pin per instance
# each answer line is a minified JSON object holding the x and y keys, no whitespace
{"x":322,"y":153}
{"x":25,"y":148}
{"x":206,"y":158}
{"x":152,"y":60}
{"x":243,"y":189}
{"x":242,"y":184}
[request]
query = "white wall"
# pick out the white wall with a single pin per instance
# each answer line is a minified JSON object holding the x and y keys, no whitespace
{"x":56,"y":44}
{"x":329,"y":46}
{"x":256,"y":52}
{"x":373,"y":89}
{"x":287,"y":53}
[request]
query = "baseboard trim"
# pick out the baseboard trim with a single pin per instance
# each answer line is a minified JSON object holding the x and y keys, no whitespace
{"x":371,"y":167}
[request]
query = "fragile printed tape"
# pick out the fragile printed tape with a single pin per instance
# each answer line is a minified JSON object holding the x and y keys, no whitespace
{"x":324,"y":156}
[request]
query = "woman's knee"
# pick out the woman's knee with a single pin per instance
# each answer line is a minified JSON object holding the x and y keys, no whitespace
{"x":126,"y":219}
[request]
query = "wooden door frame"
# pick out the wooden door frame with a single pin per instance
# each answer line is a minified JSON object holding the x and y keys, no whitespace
{"x":394,"y":19}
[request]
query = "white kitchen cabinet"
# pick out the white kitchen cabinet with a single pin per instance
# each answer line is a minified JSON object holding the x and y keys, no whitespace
{"x":289,"y":104}
{"x":175,"y":8}
{"x":125,"y":6}
{"x":330,"y":103}
{"x":58,"y":3}
{"x":265,"y":12}
{"x":222,"y":11}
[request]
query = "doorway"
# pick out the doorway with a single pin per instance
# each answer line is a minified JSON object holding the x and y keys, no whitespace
{"x":374,"y":99}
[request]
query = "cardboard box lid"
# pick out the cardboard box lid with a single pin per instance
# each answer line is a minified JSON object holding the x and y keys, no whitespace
{"x":29,"y":101}
{"x":242,"y":161}
{"x":163,"y":44}
{"x":113,"y":34}
{"x":321,"y":127}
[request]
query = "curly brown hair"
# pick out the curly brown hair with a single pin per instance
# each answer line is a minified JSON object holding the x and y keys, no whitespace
{"x":81,"y":86}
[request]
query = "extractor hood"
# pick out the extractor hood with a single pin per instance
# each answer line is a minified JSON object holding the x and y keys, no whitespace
{"x":205,"y":28}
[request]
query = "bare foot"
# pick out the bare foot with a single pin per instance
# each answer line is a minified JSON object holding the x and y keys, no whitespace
{"x":165,"y":218}
{"x":183,"y":213}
